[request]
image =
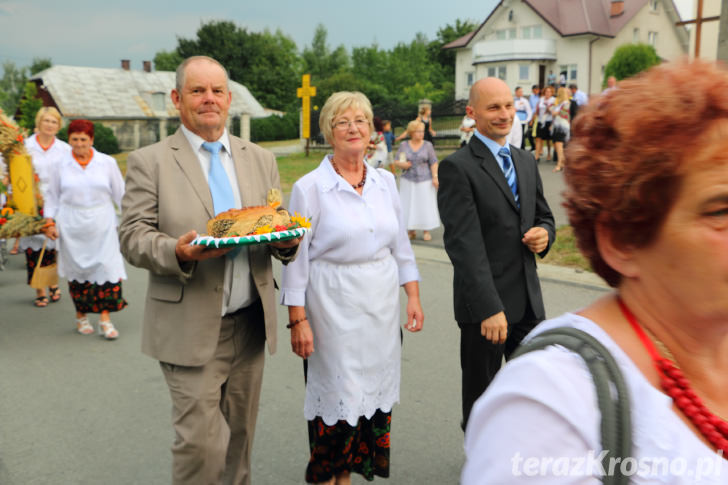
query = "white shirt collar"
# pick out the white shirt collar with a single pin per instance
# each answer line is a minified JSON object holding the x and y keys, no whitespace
{"x":196,"y":141}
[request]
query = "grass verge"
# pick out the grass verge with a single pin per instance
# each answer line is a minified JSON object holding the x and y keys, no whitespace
{"x":564,"y":251}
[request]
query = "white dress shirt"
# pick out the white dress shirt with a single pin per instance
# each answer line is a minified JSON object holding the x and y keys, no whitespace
{"x":238,"y":287}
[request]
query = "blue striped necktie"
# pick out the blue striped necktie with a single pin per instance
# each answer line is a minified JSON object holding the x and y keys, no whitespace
{"x":509,"y":172}
{"x":220,"y":188}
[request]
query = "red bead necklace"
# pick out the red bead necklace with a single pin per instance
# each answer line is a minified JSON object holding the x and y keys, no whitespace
{"x":676,"y":385}
{"x":363,"y":175}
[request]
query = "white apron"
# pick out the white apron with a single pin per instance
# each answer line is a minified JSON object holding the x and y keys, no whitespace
{"x":88,"y":246}
{"x":354,"y":314}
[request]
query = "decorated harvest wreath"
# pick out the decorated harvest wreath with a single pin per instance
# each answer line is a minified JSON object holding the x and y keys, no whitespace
{"x":15,"y":222}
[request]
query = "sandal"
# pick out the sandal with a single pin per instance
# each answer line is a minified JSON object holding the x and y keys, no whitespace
{"x":108,"y":330}
{"x":41,"y":301}
{"x":55,"y":294}
{"x":83,"y":326}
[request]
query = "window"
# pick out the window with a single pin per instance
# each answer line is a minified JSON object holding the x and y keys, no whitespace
{"x":491,"y":71}
{"x":652,"y":38}
{"x":537,"y":32}
{"x":500,"y":34}
{"x":572,"y":72}
{"x":636,"y":35}
{"x":653,"y":5}
{"x":526,"y":32}
{"x":158,"y":101}
{"x":470,"y":76}
{"x":502,"y":73}
{"x":524,"y":72}
{"x":512,"y":33}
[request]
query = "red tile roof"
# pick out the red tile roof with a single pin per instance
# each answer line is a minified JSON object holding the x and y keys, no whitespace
{"x":576,"y":17}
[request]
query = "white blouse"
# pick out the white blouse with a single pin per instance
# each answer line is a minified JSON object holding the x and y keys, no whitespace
{"x":45,"y":161}
{"x":345,"y":229}
{"x":100,"y":183}
{"x":539,"y":422}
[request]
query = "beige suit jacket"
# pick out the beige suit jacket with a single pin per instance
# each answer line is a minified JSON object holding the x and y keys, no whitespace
{"x":166,"y":196}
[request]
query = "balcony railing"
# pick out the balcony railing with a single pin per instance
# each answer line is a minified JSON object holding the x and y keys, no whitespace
{"x":514,"y":49}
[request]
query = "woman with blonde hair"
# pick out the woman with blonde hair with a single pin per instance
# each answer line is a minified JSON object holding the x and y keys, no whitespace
{"x":343,"y":298}
{"x":418,"y":183}
{"x":561,"y":125}
{"x":47,"y":152}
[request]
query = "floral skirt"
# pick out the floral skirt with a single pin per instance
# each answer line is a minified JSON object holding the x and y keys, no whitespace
{"x":31,"y":259}
{"x":94,"y":298}
{"x":362,"y":449}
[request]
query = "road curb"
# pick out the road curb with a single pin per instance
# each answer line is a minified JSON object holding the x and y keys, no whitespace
{"x":547,"y":272}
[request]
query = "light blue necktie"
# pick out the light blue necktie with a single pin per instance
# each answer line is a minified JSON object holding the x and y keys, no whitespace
{"x":220,"y":188}
{"x":509,"y":172}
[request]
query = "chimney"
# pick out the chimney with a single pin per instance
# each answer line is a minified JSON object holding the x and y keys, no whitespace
{"x":617,"y":8}
{"x":125,"y":63}
{"x":147,"y":66}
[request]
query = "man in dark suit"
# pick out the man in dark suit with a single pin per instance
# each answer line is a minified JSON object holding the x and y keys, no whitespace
{"x":496,"y":218}
{"x":208,"y":312}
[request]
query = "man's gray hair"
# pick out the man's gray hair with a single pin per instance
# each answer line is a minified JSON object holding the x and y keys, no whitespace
{"x":179,"y":78}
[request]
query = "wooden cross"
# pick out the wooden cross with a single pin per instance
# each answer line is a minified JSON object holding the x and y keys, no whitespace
{"x":699,"y":19}
{"x":305,"y":92}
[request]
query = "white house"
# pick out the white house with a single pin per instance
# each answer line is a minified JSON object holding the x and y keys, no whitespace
{"x":524,"y":41}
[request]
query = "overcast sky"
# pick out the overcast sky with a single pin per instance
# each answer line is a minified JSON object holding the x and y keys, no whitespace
{"x":99,"y":33}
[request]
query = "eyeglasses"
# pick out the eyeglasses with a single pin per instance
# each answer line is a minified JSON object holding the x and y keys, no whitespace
{"x":345,"y":124}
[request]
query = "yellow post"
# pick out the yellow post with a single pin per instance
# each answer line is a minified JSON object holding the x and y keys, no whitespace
{"x":22,"y":182}
{"x":305,"y":92}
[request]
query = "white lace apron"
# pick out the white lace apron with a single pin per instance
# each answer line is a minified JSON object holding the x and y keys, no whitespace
{"x":354,"y":313}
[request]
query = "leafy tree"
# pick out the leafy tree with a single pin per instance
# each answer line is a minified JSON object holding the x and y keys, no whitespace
{"x":29,"y":106}
{"x":629,"y":60}
{"x":319,"y":60}
{"x":12,"y":85}
{"x":265,"y":63}
{"x":104,"y":139}
{"x":39,"y":64}
{"x":445,"y":35}
{"x":167,"y":60}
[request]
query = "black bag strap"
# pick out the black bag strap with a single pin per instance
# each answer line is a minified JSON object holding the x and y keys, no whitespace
{"x":612,"y":393}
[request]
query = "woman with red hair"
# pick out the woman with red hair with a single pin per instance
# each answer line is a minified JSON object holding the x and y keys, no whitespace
{"x":647,"y":196}
{"x":80,"y":210}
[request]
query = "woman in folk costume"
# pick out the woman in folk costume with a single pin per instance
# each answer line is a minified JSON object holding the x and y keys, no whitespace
{"x":343,"y":299}
{"x":81,"y":198}
{"x":47,"y":152}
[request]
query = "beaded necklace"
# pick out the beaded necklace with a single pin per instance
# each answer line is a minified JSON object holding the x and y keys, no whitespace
{"x":676,"y":385}
{"x":353,"y":186}
{"x":83,"y":163}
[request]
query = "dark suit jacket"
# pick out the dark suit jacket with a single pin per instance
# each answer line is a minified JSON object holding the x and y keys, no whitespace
{"x":493,"y":270}
{"x":167,"y":196}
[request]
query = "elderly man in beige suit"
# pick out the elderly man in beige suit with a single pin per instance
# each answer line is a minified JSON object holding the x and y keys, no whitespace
{"x":208,"y":312}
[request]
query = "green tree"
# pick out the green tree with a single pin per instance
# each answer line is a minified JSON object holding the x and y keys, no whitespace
{"x":629,"y":60}
{"x":29,"y":106}
{"x":445,"y":35}
{"x":12,"y":85}
{"x":167,"y":60}
{"x":265,"y":63}
{"x":318,"y":58}
{"x":39,"y":64}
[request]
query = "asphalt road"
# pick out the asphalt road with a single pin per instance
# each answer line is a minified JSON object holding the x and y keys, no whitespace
{"x":80,"y":410}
